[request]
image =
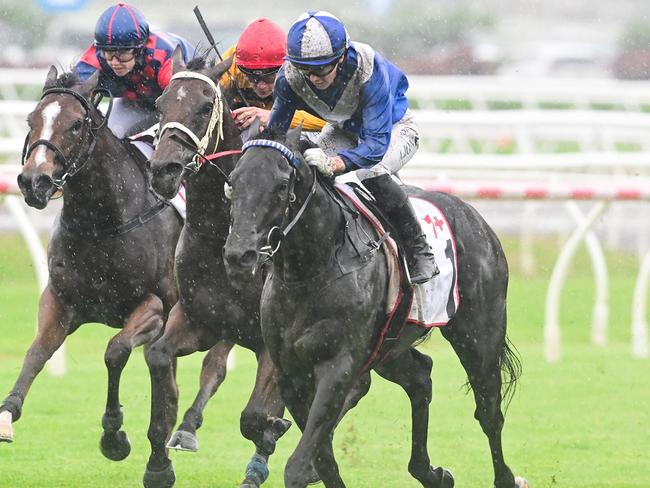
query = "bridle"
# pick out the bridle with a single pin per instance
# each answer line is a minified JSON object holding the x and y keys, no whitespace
{"x":201,"y":144}
{"x":269,"y":250}
{"x":88,"y":139}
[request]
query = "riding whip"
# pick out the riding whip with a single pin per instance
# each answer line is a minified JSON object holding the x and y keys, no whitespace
{"x":213,"y":44}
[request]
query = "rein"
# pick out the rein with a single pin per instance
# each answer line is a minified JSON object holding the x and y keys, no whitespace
{"x":90,"y":132}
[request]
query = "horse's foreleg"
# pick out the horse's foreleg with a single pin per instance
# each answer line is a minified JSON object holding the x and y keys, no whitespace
{"x":213,"y":372}
{"x":412,"y":371}
{"x":261,"y":421}
{"x":53,"y":328}
{"x":143,"y":325}
{"x":334,"y":380}
{"x":178,"y":338}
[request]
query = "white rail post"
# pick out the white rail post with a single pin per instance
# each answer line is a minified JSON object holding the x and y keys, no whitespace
{"x":552,"y":310}
{"x":639,"y":324}
{"x":56,"y":365}
{"x":600,"y":313}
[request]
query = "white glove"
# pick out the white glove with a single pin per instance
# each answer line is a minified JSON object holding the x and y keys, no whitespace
{"x":316,"y":157}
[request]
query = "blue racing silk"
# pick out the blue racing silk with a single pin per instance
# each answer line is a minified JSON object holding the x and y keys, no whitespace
{"x":150,"y":75}
{"x":366,"y":98}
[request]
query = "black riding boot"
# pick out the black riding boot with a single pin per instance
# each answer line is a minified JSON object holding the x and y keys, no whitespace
{"x":393,"y":202}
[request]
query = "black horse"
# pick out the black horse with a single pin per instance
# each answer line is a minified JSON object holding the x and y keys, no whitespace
{"x":111,"y":254}
{"x":195,"y":119}
{"x":323,"y":309}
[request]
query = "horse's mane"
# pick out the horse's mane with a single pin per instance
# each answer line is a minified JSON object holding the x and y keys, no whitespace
{"x":67,"y":79}
{"x":199,"y":61}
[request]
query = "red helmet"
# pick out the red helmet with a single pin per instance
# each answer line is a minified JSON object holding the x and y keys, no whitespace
{"x":262,"y":45}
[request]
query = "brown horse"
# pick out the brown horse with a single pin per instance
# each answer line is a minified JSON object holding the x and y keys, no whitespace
{"x":195,"y":119}
{"x":111,"y":253}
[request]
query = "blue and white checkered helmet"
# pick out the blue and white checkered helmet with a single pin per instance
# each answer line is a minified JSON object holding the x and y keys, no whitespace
{"x":316,"y":39}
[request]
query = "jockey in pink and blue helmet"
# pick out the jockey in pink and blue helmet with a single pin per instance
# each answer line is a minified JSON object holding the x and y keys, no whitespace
{"x":134,"y":64}
{"x":121,"y":27}
{"x":370,"y":129}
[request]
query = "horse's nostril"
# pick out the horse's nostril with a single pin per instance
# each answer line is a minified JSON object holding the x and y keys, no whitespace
{"x":248,"y":259}
{"x":43,"y":182}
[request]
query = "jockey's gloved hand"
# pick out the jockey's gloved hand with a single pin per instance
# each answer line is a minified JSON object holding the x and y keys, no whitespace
{"x":316,"y":157}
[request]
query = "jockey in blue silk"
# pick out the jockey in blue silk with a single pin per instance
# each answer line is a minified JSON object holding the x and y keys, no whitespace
{"x":370,"y":128}
{"x":134,"y":65}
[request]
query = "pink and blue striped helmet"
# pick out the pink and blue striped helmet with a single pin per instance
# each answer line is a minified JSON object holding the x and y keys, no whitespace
{"x":121,"y":27}
{"x":316,"y":39}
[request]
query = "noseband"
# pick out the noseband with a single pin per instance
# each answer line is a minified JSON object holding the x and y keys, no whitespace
{"x":216,"y":120}
{"x":270,"y":249}
{"x":90,"y":132}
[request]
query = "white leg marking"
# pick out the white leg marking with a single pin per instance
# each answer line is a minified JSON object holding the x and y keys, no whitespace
{"x":50,"y":114}
{"x":6,"y":430}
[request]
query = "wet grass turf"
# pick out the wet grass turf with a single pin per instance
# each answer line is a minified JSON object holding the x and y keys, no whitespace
{"x":584,"y":422}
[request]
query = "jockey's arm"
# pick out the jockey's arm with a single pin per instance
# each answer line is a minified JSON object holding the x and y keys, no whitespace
{"x":376,"y":125}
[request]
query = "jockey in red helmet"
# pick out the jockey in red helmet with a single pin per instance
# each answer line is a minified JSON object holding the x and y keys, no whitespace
{"x":258,"y":55}
{"x":134,"y":64}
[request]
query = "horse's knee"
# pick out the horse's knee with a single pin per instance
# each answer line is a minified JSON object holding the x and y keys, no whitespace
{"x":252,"y":425}
{"x":117,"y":354}
{"x":158,"y":358}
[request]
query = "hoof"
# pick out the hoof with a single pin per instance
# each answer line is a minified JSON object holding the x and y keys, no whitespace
{"x":445,"y":477}
{"x":115,"y":446}
{"x":249,"y":483}
{"x":181,"y":440}
{"x":159,"y":479}
{"x":520,"y":482}
{"x":275,"y":429}
{"x":314,"y":477}
{"x":6,"y":428}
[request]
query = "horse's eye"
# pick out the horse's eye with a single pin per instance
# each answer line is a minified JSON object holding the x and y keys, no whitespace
{"x":76,"y":127}
{"x":206,"y":109}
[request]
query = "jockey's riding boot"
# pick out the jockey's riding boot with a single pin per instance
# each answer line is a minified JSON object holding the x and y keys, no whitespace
{"x":393,"y":202}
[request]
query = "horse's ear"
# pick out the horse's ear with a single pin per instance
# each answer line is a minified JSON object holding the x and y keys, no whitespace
{"x":252,"y":131}
{"x":293,"y":136}
{"x":50,"y":80}
{"x":88,"y":86}
{"x":218,"y":70}
{"x":178,"y":63}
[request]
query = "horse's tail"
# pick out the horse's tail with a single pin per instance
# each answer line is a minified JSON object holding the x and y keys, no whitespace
{"x":510,"y":367}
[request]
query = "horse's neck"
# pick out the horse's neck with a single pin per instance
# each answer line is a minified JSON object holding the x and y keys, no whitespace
{"x":307,"y":249}
{"x":109,"y":188}
{"x":208,"y":210}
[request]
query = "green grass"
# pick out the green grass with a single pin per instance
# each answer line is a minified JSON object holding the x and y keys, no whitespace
{"x":584,"y":422}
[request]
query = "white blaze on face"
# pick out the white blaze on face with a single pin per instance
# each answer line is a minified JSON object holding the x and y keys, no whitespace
{"x":50,"y":113}
{"x":181,"y":94}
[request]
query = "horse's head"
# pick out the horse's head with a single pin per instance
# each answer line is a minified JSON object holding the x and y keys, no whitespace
{"x":61,"y":129}
{"x":191,"y":120}
{"x":262,"y":193}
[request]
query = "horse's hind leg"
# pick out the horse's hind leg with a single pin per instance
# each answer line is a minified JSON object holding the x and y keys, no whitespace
{"x":53,"y":328}
{"x":213,"y":372}
{"x":261,"y":421}
{"x":143,"y":325}
{"x":484,"y":355}
{"x":412,"y":371}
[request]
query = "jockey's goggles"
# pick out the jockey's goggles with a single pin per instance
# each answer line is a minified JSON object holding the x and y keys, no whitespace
{"x":122,"y":55}
{"x":318,"y":71}
{"x":256,"y":75}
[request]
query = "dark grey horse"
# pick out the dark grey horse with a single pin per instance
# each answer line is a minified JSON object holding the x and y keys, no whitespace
{"x":111,"y":254}
{"x":195,"y":117}
{"x":323,"y":309}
